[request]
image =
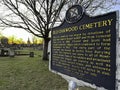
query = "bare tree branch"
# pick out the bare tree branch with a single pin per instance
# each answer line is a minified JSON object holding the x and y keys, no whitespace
{"x":45,"y":13}
{"x":39,"y":16}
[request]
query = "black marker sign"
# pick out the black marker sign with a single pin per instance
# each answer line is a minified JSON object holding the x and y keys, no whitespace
{"x":86,"y":49}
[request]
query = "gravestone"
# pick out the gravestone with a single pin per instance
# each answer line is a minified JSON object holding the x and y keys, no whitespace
{"x":11,"y":52}
{"x":84,"y":47}
{"x":31,"y":54}
{"x":4,"y":52}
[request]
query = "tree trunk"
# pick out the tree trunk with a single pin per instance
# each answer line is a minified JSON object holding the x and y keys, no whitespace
{"x":45,"y":48}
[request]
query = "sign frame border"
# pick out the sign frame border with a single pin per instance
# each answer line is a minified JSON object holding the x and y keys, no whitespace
{"x":81,"y":82}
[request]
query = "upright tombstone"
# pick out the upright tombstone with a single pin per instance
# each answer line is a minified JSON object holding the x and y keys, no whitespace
{"x":11,"y":52}
{"x":84,"y":48}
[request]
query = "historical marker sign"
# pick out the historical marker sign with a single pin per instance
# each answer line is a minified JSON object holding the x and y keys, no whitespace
{"x":86,"y":48}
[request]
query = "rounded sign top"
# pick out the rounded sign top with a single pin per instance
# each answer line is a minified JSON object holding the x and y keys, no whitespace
{"x":74,"y":14}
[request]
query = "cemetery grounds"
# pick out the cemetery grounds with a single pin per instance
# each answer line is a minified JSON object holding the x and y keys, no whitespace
{"x":30,"y":73}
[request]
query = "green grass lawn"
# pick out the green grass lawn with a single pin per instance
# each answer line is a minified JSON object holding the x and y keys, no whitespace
{"x":25,"y":73}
